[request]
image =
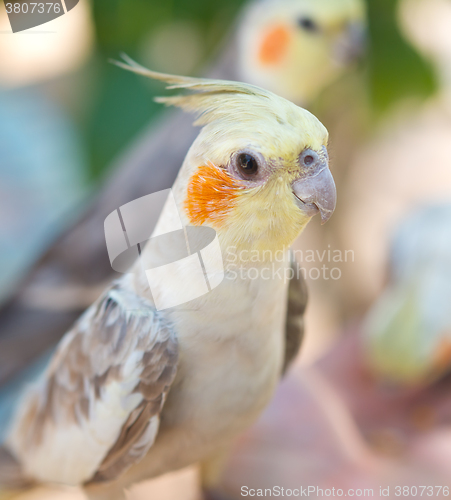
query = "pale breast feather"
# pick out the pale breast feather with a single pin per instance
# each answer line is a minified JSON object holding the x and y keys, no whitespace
{"x":96,"y":409}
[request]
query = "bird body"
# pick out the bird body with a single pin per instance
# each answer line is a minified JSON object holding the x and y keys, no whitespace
{"x":220,"y":390}
{"x":135,"y":390}
{"x":217,"y":392}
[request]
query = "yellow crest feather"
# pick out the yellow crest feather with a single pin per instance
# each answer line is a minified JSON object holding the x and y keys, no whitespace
{"x":212,"y":99}
{"x":233,"y":108}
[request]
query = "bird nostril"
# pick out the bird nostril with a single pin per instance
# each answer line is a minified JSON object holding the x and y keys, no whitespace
{"x":308,"y":160}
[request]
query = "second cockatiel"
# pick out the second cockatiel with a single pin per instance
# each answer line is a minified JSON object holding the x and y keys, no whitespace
{"x":298,"y":47}
{"x":292,"y":47}
{"x":133,"y":392}
{"x":408,"y":331}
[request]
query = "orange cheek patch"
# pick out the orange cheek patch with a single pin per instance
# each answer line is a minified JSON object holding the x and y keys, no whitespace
{"x":274,"y":45}
{"x":211,"y":195}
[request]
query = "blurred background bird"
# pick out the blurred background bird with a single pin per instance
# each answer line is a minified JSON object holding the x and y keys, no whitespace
{"x":404,"y":164}
{"x":94,"y":414}
{"x":295,"y":47}
{"x":408,"y":331}
{"x":298,"y":47}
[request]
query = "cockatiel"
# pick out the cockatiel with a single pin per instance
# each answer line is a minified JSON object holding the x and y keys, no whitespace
{"x":408,"y":331}
{"x":293,"y":47}
{"x":133,"y":390}
{"x":298,"y":47}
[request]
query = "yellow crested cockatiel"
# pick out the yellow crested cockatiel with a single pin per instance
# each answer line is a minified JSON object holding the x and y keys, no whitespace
{"x":133,"y":390}
{"x":292,"y":47}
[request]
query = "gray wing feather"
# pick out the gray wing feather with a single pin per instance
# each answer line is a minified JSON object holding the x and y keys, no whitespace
{"x":294,"y":324}
{"x":136,"y":436}
{"x":92,"y":355}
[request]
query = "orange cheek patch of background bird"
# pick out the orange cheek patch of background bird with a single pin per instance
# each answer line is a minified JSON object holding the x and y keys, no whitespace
{"x":211,"y":195}
{"x":274,"y":45}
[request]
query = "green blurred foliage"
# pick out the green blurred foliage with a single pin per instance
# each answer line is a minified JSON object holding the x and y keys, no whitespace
{"x":123,"y":102}
{"x":121,"y":24}
{"x":397,"y":71}
{"x":122,"y":106}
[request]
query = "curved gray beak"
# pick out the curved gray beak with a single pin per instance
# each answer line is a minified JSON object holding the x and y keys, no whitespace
{"x":351,"y":44}
{"x":315,"y":190}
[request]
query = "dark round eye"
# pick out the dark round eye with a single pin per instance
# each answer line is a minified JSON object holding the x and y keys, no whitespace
{"x":308,"y":160}
{"x":247,"y":164}
{"x":308,"y":24}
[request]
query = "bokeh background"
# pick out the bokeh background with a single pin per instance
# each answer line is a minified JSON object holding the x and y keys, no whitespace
{"x":66,"y":113}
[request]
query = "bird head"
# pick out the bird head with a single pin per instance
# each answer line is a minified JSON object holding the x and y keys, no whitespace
{"x":297,"y":47}
{"x":258,"y":171}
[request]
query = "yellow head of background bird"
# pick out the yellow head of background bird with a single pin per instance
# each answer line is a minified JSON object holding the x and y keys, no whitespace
{"x":296,"y":48}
